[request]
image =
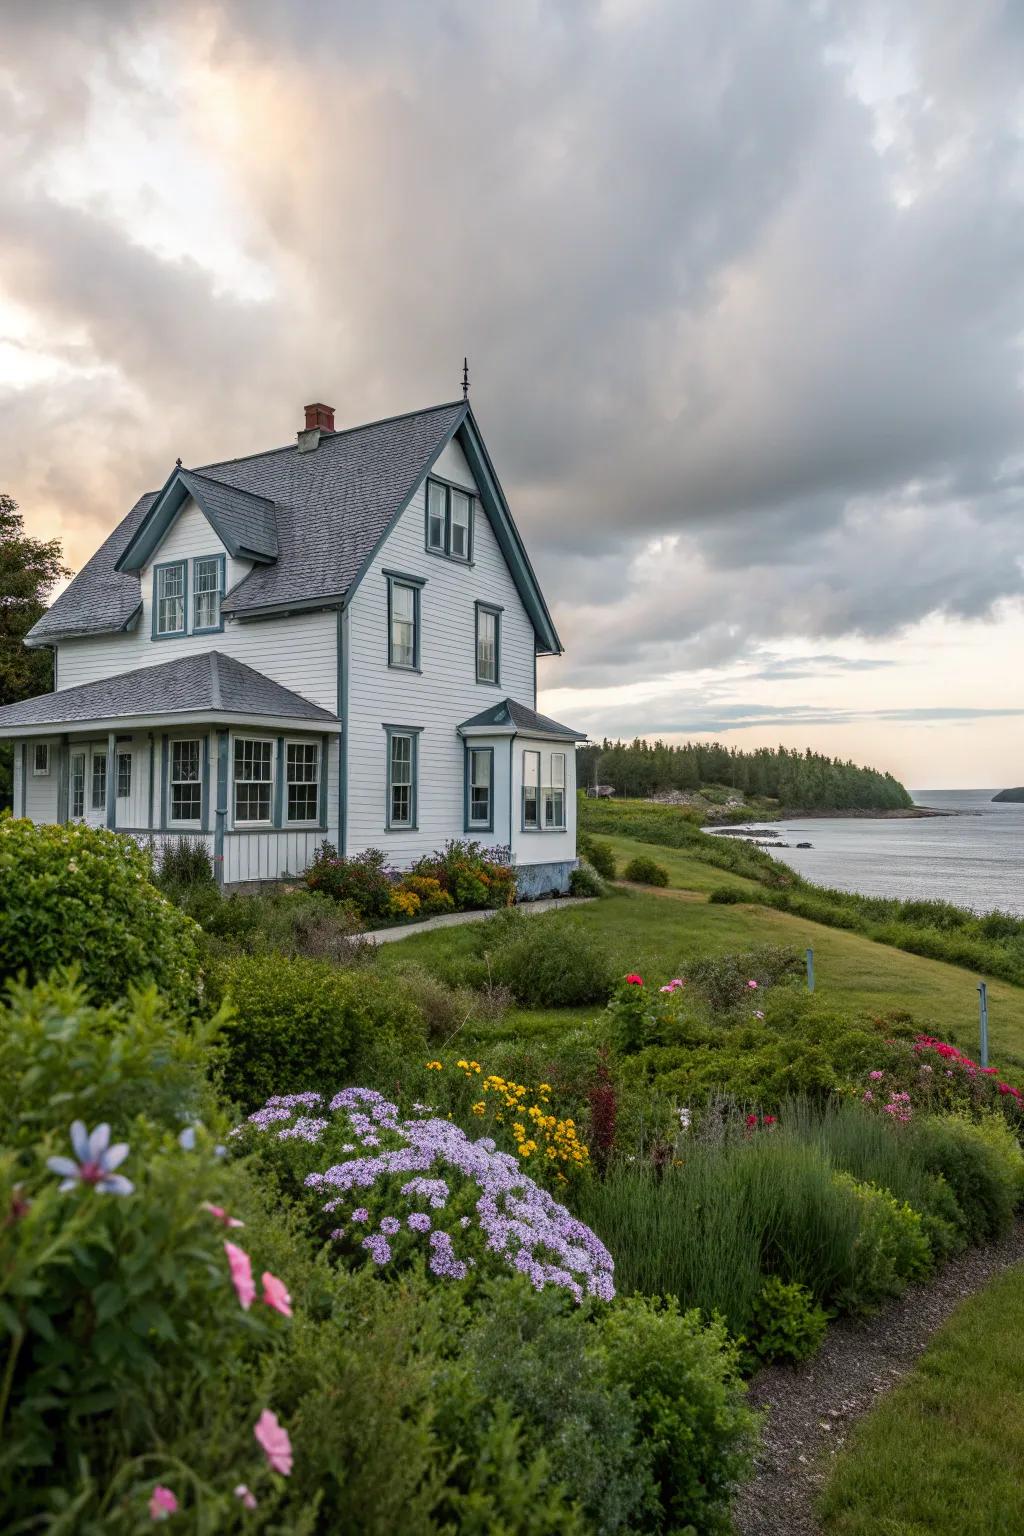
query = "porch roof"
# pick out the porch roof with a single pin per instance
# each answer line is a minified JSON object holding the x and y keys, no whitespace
{"x":206,"y":684}
{"x":510,"y":718}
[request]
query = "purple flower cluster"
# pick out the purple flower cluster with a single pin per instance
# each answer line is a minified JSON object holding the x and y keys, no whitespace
{"x":303,"y":1129}
{"x":515,"y":1220}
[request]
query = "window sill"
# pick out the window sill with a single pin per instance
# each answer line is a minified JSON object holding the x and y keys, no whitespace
{"x":170,"y":634}
{"x":410,"y":828}
{"x":399,"y":666}
{"x":441,"y":554}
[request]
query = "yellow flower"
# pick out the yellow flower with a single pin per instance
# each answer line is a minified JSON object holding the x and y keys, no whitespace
{"x":435,"y":1066}
{"x":478,"y":1109}
{"x":543,"y":1087}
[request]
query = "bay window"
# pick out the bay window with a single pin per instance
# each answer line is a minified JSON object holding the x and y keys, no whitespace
{"x":186,"y":781}
{"x":302,"y":773}
{"x":531,"y":791}
{"x":554,"y":795}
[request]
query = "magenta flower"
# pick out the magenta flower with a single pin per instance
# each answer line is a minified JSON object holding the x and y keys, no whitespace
{"x":97,"y":1160}
{"x":275,"y":1294}
{"x":248,"y":1499}
{"x":220,"y":1214}
{"x":876,"y":1076}
{"x":241,"y":1275}
{"x":274,"y":1442}
{"x":752,"y":985}
{"x":162,"y":1503}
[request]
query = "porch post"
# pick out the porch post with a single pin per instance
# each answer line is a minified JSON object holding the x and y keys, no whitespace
{"x":221,"y":812}
{"x":163,"y":783}
{"x":24,"y":778}
{"x":111,"y":780}
{"x":152,"y":785}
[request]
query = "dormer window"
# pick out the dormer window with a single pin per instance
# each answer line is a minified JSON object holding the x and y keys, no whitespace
{"x":169,"y":584}
{"x":207,"y":591}
{"x":449,"y":521}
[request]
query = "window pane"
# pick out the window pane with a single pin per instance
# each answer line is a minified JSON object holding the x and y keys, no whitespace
{"x":435,"y":515}
{"x":170,"y":607}
{"x":531,"y":768}
{"x":186,"y":802}
{"x":480,"y":786}
{"x":403,"y":625}
{"x":99,"y":783}
{"x":185,"y":762}
{"x":78,"y":784}
{"x":186,"y":785}
{"x":400,"y":764}
{"x":486,"y":646}
{"x":206,"y":576}
{"x":124,"y":775}
{"x":303,"y":775}
{"x":558,"y":769}
{"x":460,"y":525}
{"x":530,"y":807}
{"x":252,"y":802}
{"x":41,"y":761}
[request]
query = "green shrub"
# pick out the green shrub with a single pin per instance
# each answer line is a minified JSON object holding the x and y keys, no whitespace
{"x":74,"y":895}
{"x":598,"y":854}
{"x":185,"y":861}
{"x":585,"y":881}
{"x":365,"y":883}
{"x":725,"y":980}
{"x":786,"y":1323}
{"x":890,"y":1251}
{"x":645,"y":871}
{"x":978,"y":1171}
{"x":472,"y":875}
{"x":547,"y":962}
{"x":683,"y":1379}
{"x":448,"y":1009}
{"x":725,"y":895}
{"x":304,"y":1024}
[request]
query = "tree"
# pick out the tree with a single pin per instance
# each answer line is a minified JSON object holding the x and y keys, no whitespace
{"x":29,"y":570}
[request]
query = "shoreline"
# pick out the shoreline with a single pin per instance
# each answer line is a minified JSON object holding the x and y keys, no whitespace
{"x":751,"y":828}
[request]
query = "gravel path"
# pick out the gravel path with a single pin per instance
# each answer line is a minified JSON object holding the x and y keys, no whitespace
{"x":812,"y":1407}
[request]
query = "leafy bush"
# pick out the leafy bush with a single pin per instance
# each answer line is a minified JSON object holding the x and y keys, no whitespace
{"x":725,"y":895}
{"x":448,"y":1009}
{"x":364,"y":882}
{"x":434,"y":900}
{"x":786,"y":1323}
{"x":472,"y":876}
{"x":683,"y":1379}
{"x":546,"y":962}
{"x":726,"y":980}
{"x":645,"y":871}
{"x":75,"y":895}
{"x":299,"y":1023}
{"x":891,"y":1249}
{"x":983,"y":1178}
{"x":585,"y":881}
{"x":598,"y":854}
{"x":185,"y":861}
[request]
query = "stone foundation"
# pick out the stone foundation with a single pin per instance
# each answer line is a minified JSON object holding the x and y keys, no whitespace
{"x":534,"y":881}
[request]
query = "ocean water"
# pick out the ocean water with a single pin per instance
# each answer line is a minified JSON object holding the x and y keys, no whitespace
{"x":974,"y":858}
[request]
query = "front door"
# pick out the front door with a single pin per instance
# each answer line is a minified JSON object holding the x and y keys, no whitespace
{"x":96,"y":786}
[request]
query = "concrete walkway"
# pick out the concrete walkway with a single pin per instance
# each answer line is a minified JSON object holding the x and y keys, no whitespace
{"x":456,"y":919}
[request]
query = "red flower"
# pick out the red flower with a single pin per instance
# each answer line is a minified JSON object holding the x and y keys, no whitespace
{"x":633,"y":980}
{"x":751,"y":1119}
{"x":768,"y":1120}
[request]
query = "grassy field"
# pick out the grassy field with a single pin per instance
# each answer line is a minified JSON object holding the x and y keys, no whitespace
{"x":944,"y":1452}
{"x":656,"y":933}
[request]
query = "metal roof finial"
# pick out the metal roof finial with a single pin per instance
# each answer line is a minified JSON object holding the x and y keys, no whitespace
{"x":178,"y":463}
{"x":465,"y":378}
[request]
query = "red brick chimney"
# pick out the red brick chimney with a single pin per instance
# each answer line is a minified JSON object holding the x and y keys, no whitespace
{"x":321,"y":416}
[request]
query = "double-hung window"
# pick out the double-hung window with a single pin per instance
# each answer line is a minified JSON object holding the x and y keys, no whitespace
{"x":302,"y":762}
{"x":531,"y":791}
{"x":207,"y":591}
{"x":488,"y":644}
{"x":402,"y":764}
{"x":404,"y":621}
{"x":124,"y":775}
{"x":99,"y":781}
{"x":449,"y":521}
{"x":41,"y":759}
{"x":169,"y":591}
{"x":480,"y":789}
{"x":186,"y":781}
{"x":77,"y":785}
{"x":554,"y":795}
{"x":254,"y":780}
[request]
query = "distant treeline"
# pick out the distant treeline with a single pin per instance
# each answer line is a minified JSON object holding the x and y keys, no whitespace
{"x":799,"y":780}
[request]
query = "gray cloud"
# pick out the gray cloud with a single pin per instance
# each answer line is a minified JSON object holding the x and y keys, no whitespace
{"x":722,"y":283}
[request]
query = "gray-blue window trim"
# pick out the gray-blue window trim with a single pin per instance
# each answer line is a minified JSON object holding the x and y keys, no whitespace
{"x":209,"y":629}
{"x":416,"y":584}
{"x":469,"y":825}
{"x":170,"y":634}
{"x":497,"y":610}
{"x":414,"y":732}
{"x":446,"y":553}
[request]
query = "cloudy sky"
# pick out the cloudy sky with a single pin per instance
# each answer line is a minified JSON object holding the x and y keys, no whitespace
{"x":741,"y":285}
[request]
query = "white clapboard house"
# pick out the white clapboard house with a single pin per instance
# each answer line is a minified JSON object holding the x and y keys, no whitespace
{"x":336,"y":639}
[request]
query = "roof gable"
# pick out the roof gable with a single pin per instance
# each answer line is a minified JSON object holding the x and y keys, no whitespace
{"x":245,"y":523}
{"x":510,"y":718}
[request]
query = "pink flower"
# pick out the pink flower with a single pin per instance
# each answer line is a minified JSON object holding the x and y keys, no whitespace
{"x":220,"y":1214}
{"x":248,"y":1499}
{"x":633,"y":980}
{"x":274,"y":1442}
{"x":677,"y":981}
{"x":162,"y":1503}
{"x":275,"y":1294}
{"x":241,"y":1275}
{"x":876,"y":1076}
{"x":666,"y":989}
{"x":869,"y":1097}
{"x":752,"y":984}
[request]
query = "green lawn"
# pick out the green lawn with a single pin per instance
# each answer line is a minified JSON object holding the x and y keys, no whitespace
{"x":944,"y":1452}
{"x":655,"y":934}
{"x":685,"y":872}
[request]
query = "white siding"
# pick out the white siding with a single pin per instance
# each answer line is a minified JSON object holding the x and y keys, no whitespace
{"x":299,"y":651}
{"x":443,"y":694}
{"x":40,"y":800}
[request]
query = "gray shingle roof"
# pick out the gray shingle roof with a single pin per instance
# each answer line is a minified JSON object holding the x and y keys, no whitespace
{"x":209,"y":681}
{"x":329,"y":510}
{"x":243,"y":519}
{"x":510,"y":713}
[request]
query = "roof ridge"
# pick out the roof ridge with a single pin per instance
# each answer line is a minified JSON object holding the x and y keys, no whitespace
{"x":383,"y":421}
